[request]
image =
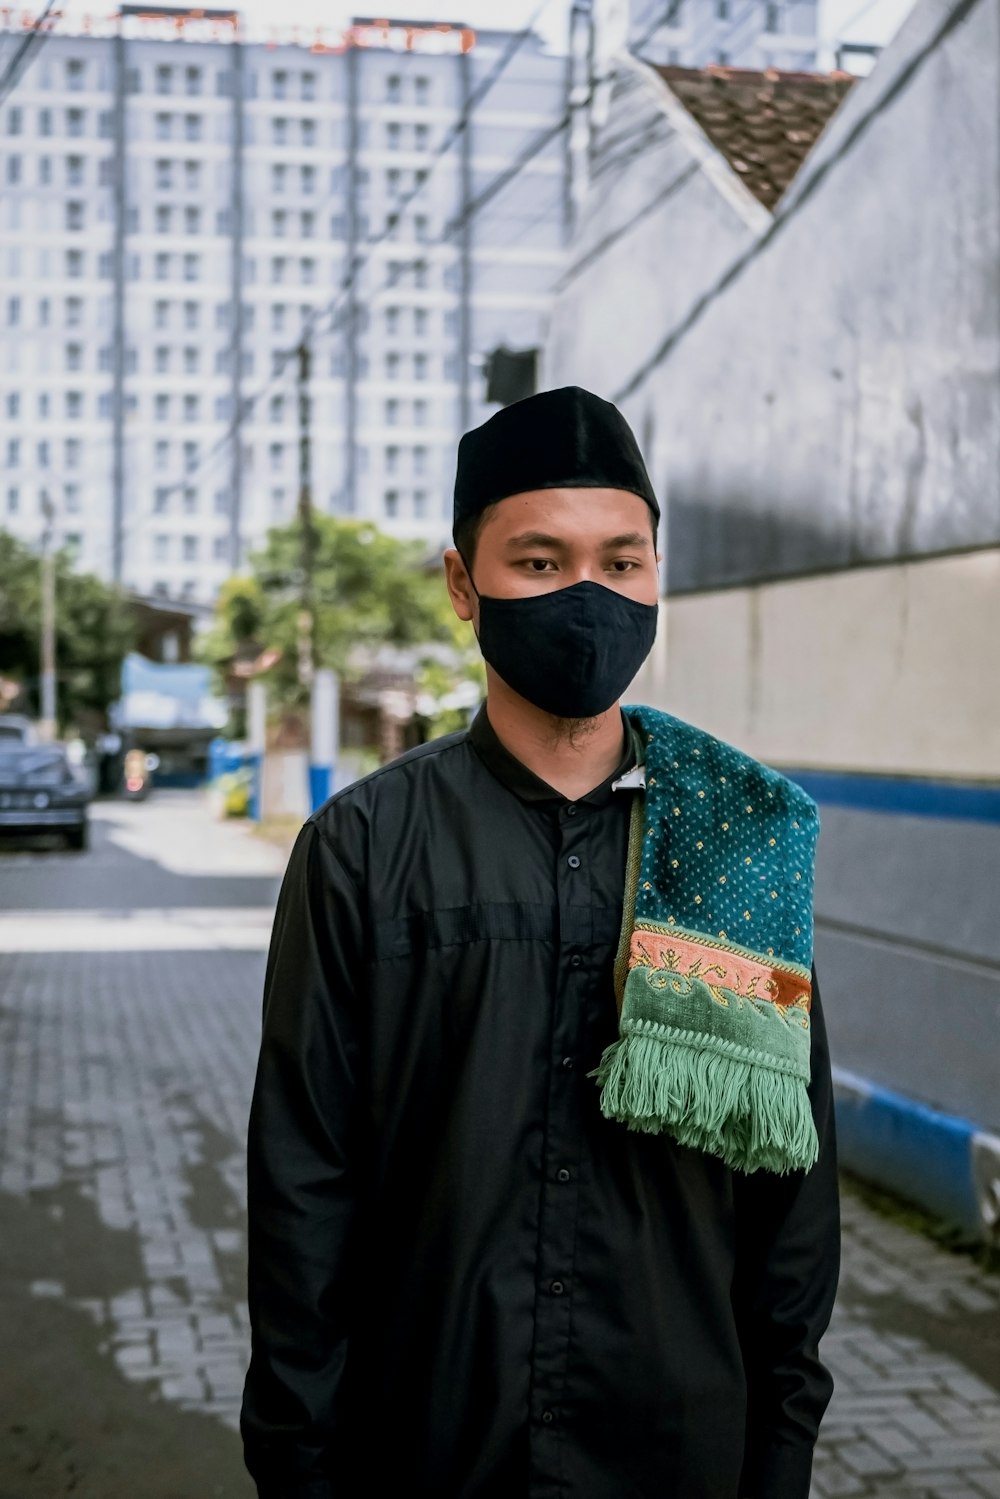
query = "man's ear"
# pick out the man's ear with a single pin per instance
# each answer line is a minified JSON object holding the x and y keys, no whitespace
{"x":459,"y":584}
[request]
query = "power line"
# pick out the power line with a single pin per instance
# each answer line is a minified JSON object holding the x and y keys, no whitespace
{"x":33,"y":39}
{"x":780,"y":222}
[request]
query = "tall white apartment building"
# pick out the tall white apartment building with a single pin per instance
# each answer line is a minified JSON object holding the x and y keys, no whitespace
{"x":742,"y":33}
{"x":177,"y":205}
{"x":179,"y":201}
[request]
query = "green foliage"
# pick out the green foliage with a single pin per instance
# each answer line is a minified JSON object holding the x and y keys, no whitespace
{"x":94,"y":631}
{"x":368,"y":589}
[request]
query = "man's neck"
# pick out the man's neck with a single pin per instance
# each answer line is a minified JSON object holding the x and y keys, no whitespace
{"x":572,"y":756}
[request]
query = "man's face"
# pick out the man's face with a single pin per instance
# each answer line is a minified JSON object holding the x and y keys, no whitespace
{"x":552,"y":538}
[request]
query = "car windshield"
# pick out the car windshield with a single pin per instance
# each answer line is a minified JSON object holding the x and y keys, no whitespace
{"x":32,"y":767}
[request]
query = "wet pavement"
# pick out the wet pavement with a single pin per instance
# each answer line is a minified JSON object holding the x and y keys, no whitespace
{"x":130,"y":982}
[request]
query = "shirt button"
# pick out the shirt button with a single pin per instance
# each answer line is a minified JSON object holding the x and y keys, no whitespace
{"x":562,"y":1175}
{"x":548,"y":1417}
{"x":568,"y":1063}
{"x":573,"y":861}
{"x":557,"y":1288}
{"x":571,"y":810}
{"x":575,"y":960}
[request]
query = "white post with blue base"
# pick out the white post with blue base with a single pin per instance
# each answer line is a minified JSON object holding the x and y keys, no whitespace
{"x":325,"y":737}
{"x":256,"y":743}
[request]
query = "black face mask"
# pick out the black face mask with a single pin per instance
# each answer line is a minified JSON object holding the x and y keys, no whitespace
{"x":571,"y":652}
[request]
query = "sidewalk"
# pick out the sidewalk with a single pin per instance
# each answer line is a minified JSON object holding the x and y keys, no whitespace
{"x":128,"y":1033}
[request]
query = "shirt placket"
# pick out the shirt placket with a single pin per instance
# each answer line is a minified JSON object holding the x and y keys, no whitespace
{"x":555,"y":1271}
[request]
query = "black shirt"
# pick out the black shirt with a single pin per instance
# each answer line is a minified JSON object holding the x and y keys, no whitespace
{"x":465,"y":1282}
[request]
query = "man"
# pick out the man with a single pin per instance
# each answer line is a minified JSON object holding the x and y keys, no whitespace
{"x":542,"y":1179}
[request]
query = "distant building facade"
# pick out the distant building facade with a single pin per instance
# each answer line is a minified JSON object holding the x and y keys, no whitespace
{"x":749,"y":33}
{"x":173,"y":212}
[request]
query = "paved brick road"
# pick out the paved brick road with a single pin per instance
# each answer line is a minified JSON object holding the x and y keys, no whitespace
{"x":128,"y":1019}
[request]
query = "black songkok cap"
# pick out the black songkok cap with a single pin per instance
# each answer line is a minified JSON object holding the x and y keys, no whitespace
{"x":557,"y":439}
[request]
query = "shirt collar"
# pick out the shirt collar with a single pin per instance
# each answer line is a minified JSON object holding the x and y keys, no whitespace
{"x":530,"y":787}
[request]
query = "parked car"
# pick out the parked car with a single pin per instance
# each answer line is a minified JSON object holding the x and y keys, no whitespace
{"x":41,"y":791}
{"x":16,"y":729}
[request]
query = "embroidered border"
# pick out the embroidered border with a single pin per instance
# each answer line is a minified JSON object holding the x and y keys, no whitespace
{"x":720,"y":967}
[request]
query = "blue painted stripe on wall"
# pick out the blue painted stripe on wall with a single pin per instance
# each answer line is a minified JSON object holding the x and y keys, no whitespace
{"x":924,"y":1155}
{"x":895,"y":794}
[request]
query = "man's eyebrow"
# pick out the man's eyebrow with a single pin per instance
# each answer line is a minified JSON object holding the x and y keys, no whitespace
{"x":628,"y":539}
{"x":555,"y":543}
{"x":534,"y":539}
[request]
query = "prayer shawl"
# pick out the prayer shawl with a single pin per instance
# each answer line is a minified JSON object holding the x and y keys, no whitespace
{"x":714,"y":967}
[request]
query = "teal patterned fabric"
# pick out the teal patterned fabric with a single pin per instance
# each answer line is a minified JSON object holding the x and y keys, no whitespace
{"x":714,"y":969}
{"x":725,"y":836}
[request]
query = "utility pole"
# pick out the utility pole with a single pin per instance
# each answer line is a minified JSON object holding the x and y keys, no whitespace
{"x":47,"y":723}
{"x":306,"y":619}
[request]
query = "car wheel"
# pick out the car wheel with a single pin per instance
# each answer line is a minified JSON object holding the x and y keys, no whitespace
{"x":79,"y":838}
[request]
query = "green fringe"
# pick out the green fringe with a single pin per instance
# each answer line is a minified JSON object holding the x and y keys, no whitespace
{"x":754,"y":1117}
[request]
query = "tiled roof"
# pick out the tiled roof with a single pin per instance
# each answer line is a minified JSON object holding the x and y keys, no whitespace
{"x":763,"y":123}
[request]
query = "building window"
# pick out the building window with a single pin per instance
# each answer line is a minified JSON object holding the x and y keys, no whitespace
{"x":13,"y":452}
{"x":192,"y":220}
{"x":192,"y":176}
{"x":72,"y":452}
{"x":307,"y":225}
{"x":308,"y":132}
{"x":307,"y":179}
{"x":190,"y":456}
{"x":279,"y":85}
{"x":13,"y":311}
{"x":74,"y":405}
{"x":772,"y":20}
{"x":191,"y":412}
{"x":420,"y":504}
{"x":190,"y":267}
{"x":161,"y":548}
{"x":71,"y":498}
{"x":220,"y":548}
{"x":161,"y":454}
{"x":278,"y":500}
{"x":74,"y":122}
{"x":190,"y":502}
{"x":279,"y":178}
{"x":277,"y":409}
{"x":392,"y":366}
{"x":420,"y":365}
{"x":423,"y":90}
{"x":43,"y":453}
{"x":161,"y":314}
{"x":163,"y":218}
{"x":222,"y":502}
{"x":420,"y":460}
{"x":191,"y":361}
{"x":279,"y":220}
{"x":420,"y":413}
{"x":74,"y":356}
{"x":161,"y":267}
{"x":192,"y":127}
{"x":391,"y":503}
{"x":279,"y":132}
{"x":164,"y":127}
{"x":161,"y":408}
{"x":192,"y":314}
{"x":105,"y":171}
{"x":13,"y":500}
{"x":421,"y":137}
{"x":164,"y":79}
{"x":45,"y":170}
{"x":74,"y":171}
{"x":276,"y":455}
{"x":161,"y":500}
{"x":164,"y":175}
{"x":392,"y":413}
{"x":192,"y":81}
{"x":45,"y":122}
{"x":278,"y":267}
{"x":307,"y":271}
{"x":13,"y":169}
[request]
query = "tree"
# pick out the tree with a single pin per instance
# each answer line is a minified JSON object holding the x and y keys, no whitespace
{"x":368,"y":590}
{"x":94,"y":632}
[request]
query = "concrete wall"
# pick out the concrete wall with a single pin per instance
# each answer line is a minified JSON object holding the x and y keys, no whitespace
{"x":839,"y":400}
{"x":888,"y":669}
